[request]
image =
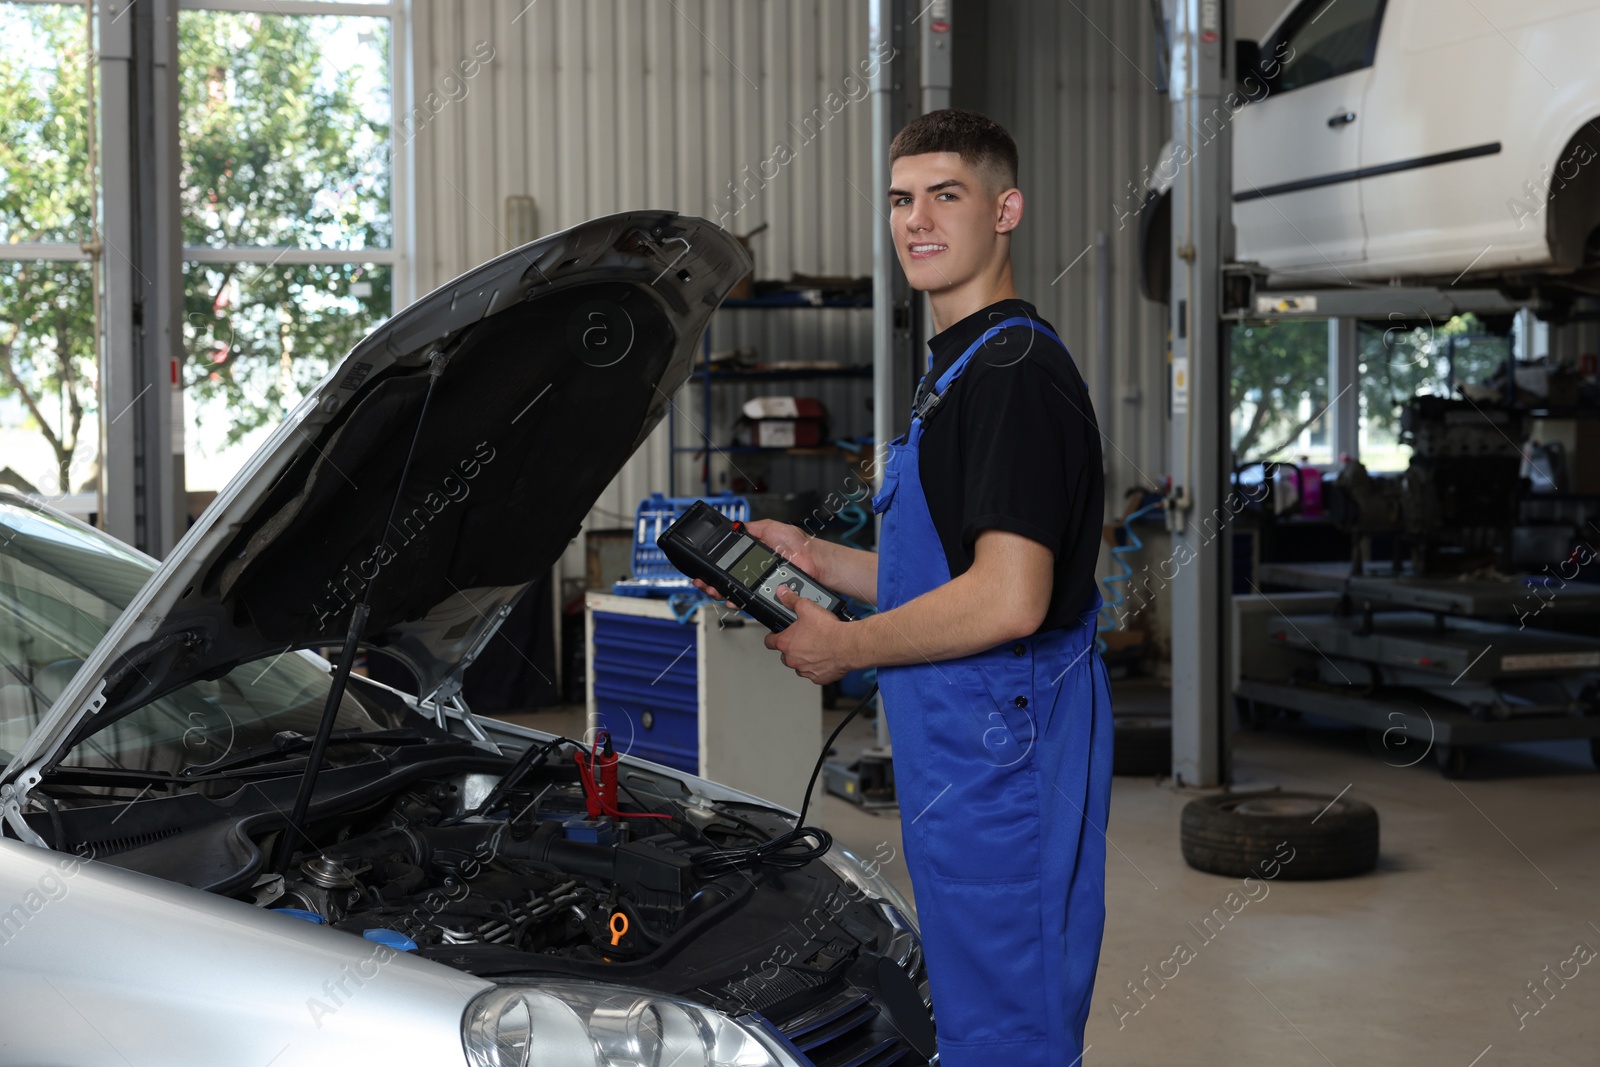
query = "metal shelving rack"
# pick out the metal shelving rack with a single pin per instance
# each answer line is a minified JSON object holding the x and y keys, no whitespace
{"x":706,"y":377}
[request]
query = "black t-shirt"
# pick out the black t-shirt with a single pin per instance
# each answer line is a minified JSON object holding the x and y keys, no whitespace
{"x":1014,"y":446}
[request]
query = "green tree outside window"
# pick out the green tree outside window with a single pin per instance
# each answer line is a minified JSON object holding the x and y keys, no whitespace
{"x":286,"y":143}
{"x":47,"y":352}
{"x":285,"y":128}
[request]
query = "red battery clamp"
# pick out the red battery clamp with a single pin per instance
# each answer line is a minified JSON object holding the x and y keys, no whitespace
{"x":597,"y":770}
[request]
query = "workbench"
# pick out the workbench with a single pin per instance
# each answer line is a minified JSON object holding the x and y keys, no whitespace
{"x":1478,"y":598}
{"x":1427,"y":660}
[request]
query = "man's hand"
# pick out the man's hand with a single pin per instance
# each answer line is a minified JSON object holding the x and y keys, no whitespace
{"x":790,"y":542}
{"x":816,"y":644}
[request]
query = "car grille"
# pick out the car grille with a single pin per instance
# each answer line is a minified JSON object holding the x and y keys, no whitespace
{"x":847,"y":1030}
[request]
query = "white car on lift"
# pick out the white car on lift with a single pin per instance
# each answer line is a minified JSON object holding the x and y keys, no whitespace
{"x":1434,"y":141}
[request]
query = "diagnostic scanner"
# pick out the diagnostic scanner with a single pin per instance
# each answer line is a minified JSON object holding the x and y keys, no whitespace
{"x":707,"y":545}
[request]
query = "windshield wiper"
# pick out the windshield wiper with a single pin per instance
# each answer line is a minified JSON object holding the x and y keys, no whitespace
{"x":286,"y":741}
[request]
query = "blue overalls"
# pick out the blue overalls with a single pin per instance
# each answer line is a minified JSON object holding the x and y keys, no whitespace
{"x":1002,"y":763}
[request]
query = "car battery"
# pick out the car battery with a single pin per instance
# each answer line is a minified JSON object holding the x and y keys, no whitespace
{"x":782,"y":422}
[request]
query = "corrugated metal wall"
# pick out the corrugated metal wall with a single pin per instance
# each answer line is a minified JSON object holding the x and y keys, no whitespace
{"x":594,"y":106}
{"x":1075,"y":84}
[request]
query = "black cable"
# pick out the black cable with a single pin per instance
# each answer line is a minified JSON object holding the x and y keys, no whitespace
{"x":826,"y":745}
{"x":789,"y":849}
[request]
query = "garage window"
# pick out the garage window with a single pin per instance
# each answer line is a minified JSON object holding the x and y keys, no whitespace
{"x":1279,"y":391}
{"x":290,"y":169}
{"x":290,"y":175}
{"x":1404,"y":360}
{"x":1283,"y":408}
{"x":1327,"y":38}
{"x":48,"y":428}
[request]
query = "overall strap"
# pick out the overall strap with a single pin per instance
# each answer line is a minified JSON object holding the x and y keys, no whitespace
{"x":932,"y":398}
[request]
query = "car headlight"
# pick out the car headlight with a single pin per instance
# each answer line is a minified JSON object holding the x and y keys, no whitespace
{"x":564,"y":1023}
{"x":873,"y":884}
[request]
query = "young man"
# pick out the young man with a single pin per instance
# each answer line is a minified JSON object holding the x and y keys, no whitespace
{"x":997,"y":701}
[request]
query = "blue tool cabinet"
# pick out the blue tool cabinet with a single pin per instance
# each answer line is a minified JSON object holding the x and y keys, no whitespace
{"x":646,"y":687}
{"x":704,"y":696}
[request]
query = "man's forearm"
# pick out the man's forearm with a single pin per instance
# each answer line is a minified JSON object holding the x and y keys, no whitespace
{"x":1003,"y":596}
{"x":851,"y":571}
{"x":955,"y":619}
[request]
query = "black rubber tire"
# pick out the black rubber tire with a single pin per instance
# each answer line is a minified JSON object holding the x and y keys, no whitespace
{"x":1296,"y":836}
{"x":1142,"y":746}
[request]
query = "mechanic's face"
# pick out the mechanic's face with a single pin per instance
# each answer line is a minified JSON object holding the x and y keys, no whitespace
{"x":949,"y":219}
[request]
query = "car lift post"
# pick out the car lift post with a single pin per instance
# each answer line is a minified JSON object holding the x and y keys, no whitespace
{"x":1200,"y":73}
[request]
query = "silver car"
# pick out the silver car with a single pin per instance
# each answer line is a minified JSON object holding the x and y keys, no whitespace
{"x":451,"y":894}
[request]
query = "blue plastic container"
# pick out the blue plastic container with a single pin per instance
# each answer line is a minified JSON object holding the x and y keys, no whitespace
{"x":300,"y":913}
{"x":393,"y":938}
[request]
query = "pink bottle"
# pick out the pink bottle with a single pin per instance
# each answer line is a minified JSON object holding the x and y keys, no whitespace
{"x":1310,"y":491}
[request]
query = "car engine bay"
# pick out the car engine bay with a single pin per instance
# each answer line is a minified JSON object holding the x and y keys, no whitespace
{"x":561,"y":861}
{"x":538,"y":874}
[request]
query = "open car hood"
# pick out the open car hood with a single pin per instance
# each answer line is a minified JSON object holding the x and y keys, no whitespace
{"x":554,"y":362}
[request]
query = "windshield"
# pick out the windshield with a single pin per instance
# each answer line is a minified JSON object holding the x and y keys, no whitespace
{"x":62,"y":587}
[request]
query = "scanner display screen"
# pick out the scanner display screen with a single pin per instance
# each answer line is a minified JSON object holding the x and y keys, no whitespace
{"x":748,"y":568}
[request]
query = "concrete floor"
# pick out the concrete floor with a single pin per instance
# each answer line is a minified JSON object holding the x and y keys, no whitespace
{"x":1482,"y":884}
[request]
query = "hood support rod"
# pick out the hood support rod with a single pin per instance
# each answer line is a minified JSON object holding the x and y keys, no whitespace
{"x":347,"y":658}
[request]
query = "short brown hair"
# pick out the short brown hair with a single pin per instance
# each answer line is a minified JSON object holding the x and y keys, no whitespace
{"x":981,"y":142}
